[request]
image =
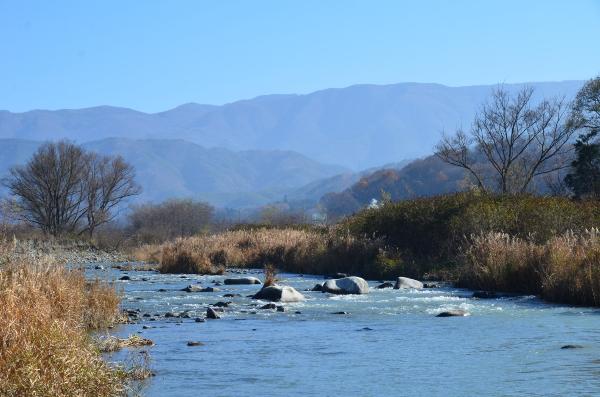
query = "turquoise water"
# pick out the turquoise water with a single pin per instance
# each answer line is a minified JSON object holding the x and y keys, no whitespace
{"x":389,"y":344}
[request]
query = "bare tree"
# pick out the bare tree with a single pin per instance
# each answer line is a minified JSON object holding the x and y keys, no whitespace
{"x":49,"y":187}
{"x":511,"y":141}
{"x":63,"y":189}
{"x":586,"y":108}
{"x":108,"y":181}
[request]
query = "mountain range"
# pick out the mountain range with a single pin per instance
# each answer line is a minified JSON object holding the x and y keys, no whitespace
{"x":176,"y":168}
{"x":357,"y":127}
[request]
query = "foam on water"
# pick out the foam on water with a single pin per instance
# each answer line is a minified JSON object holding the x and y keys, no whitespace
{"x":388,"y":343}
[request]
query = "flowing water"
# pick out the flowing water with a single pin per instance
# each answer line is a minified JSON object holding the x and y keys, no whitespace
{"x":388,"y":344}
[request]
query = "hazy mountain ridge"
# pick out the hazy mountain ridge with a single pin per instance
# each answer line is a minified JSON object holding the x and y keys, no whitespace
{"x":176,"y":168}
{"x":360,"y":126}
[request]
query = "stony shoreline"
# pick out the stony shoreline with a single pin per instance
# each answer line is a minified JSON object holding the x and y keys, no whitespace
{"x":68,"y":252}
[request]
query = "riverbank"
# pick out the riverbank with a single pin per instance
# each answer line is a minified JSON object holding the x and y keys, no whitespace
{"x":66,"y":251}
{"x":48,"y":313}
{"x":523,"y":244}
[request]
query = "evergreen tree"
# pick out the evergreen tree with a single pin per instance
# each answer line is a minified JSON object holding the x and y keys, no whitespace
{"x":584,"y":178}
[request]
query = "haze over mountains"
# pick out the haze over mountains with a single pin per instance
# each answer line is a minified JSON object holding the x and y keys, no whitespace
{"x":253,"y":152}
{"x":357,"y":127}
{"x":176,"y":169}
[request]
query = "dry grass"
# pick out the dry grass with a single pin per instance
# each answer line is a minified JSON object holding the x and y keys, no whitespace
{"x":270,"y":276}
{"x":150,"y":253}
{"x":565,"y":269}
{"x":110,"y":344}
{"x":45,"y":349}
{"x":300,"y":251}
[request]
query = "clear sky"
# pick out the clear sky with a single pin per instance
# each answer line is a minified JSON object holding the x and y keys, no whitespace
{"x":154,"y":55}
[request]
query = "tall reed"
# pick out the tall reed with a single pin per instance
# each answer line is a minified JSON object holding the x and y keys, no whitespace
{"x":565,"y":269}
{"x":47,"y":310}
{"x":300,"y":251}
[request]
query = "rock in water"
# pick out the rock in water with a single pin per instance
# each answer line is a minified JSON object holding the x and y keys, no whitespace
{"x":195,"y":343}
{"x":385,"y":285}
{"x":454,"y":313}
{"x":405,"y":282}
{"x":243,"y":280}
{"x":192,"y":288}
{"x":347,"y":285}
{"x":317,"y":287}
{"x":276,"y":293}
{"x":268,"y":306}
{"x":212,"y":314}
{"x":572,"y":347}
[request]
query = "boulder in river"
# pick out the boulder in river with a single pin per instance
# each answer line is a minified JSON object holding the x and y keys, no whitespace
{"x":385,"y":285}
{"x":268,"y":306}
{"x":317,"y":287}
{"x":454,"y":313}
{"x":195,"y":343}
{"x":212,"y":314}
{"x":243,"y":280}
{"x":192,"y":288}
{"x":346,"y":285}
{"x":208,"y":289}
{"x":565,"y":347}
{"x":125,"y":278}
{"x":277,"y":293}
{"x":405,"y":282}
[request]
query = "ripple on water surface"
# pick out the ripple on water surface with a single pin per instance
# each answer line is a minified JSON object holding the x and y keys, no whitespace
{"x":389,"y":342}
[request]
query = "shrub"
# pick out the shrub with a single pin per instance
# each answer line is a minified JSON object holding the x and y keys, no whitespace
{"x":431,"y":230}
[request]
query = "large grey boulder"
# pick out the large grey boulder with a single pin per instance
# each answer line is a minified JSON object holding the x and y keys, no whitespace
{"x":405,"y":282}
{"x":243,"y":280}
{"x":276,"y":293}
{"x":346,"y":285}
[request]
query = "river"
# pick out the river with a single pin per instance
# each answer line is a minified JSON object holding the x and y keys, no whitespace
{"x":389,"y":342}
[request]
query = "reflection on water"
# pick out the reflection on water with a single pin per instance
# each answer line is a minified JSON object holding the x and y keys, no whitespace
{"x":389,"y":343}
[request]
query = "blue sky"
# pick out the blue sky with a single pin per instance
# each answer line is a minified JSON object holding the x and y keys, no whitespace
{"x":154,"y":55}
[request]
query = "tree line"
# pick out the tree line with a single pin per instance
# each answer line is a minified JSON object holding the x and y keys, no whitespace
{"x":514,"y":141}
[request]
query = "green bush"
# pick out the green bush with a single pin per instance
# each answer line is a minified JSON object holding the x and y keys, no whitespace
{"x":432,"y":230}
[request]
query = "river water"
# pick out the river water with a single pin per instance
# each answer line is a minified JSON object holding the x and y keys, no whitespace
{"x":388,"y":344}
